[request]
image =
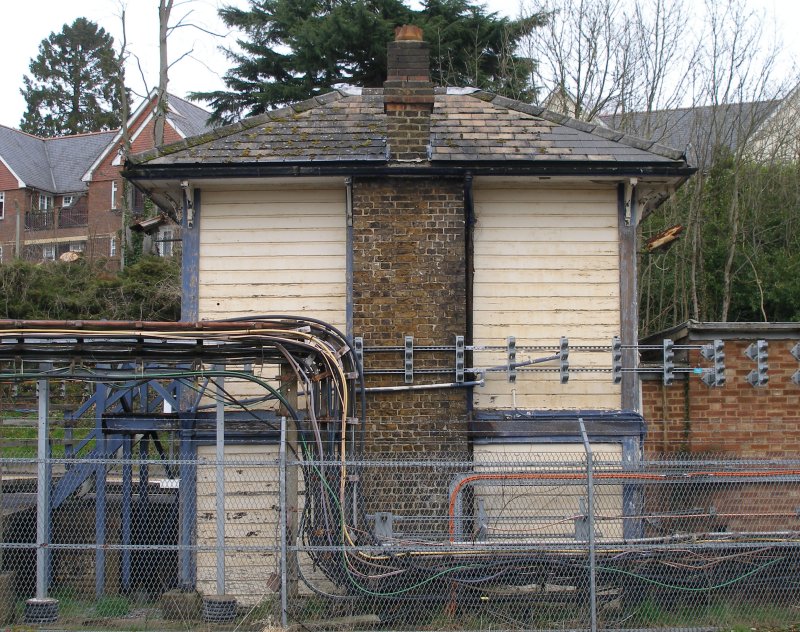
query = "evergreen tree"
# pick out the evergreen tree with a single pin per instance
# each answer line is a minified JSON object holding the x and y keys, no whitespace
{"x":294,"y":49}
{"x":72,"y":87}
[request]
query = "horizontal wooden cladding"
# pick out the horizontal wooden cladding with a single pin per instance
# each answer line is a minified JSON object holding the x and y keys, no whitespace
{"x":273,"y":251}
{"x":549,"y":290}
{"x":543,"y":391}
{"x":546,"y":265}
{"x":258,"y":195}
{"x":536,"y":236}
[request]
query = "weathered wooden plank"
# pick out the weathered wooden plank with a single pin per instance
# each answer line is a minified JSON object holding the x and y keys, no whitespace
{"x":255,"y":254}
{"x":270,"y":262}
{"x":506,"y":192}
{"x":580,"y":305}
{"x":283,"y":195}
{"x":303,"y":237}
{"x":532,"y":318}
{"x":546,"y":220}
{"x":546,"y":290}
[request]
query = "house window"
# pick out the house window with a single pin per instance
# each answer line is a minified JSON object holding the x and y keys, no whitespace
{"x":49,"y":252}
{"x":2,"y":204}
{"x":67,"y":200}
{"x":45,"y":202}
{"x":77,"y":246}
{"x":112,"y":248}
{"x":113,"y":194}
{"x":1,"y":254}
{"x":164,"y":242}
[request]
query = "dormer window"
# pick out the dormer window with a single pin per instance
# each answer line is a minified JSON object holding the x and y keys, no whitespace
{"x":68,"y":199}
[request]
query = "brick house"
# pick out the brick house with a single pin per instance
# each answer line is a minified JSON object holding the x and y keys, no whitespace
{"x":430,"y":213}
{"x":65,"y":193}
{"x":737,"y":418}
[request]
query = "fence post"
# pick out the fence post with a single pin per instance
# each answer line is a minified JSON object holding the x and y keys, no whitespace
{"x":283,"y":519}
{"x":43,"y":516}
{"x":220,"y":482}
{"x":590,"y":511}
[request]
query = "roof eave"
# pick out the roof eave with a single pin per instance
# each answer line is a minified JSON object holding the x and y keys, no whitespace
{"x":205,"y":170}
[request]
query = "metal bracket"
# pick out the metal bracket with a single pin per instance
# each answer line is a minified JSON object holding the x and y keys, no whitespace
{"x":483,"y":522}
{"x":384,"y":525}
{"x":563,"y":358}
{"x":408,"y":359}
{"x":511,"y":351}
{"x":358,"y":349}
{"x":459,"y":359}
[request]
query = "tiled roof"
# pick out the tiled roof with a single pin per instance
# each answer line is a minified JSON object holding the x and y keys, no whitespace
{"x":697,"y":130}
{"x":189,"y":118}
{"x":475,"y":126}
{"x":51,"y":164}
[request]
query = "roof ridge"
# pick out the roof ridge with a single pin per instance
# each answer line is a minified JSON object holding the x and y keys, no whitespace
{"x":19,"y":131}
{"x":583,"y":126}
{"x":80,"y":135}
{"x":239,"y":126}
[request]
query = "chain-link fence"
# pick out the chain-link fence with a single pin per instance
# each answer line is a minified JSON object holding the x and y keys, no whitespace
{"x":151,"y":531}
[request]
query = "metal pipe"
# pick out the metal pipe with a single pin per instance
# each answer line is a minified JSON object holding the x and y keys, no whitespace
{"x":422,"y":387}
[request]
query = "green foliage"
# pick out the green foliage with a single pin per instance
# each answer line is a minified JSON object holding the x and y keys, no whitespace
{"x":295,"y":49}
{"x":688,"y":281}
{"x":147,"y":290}
{"x":111,"y":606}
{"x":72,"y":87}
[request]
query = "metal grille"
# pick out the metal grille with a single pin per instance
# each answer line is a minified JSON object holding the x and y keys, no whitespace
{"x":507,"y":537}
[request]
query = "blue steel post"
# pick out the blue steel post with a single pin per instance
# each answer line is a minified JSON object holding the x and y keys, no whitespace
{"x":190,"y":310}
{"x":127,"y":501}
{"x":100,"y":492}
{"x":186,"y":502}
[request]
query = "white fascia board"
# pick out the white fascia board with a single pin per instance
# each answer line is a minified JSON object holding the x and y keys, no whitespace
{"x":20,"y":183}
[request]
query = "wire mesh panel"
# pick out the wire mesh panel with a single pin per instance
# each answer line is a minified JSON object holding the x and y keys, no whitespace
{"x":495,"y":539}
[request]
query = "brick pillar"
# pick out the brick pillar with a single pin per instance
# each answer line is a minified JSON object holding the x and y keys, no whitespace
{"x":409,"y":279}
{"x":408,"y":96}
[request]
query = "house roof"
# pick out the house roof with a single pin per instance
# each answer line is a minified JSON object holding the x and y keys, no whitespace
{"x":467,"y":127}
{"x":187,"y":117}
{"x":51,"y":164}
{"x":698,"y":130}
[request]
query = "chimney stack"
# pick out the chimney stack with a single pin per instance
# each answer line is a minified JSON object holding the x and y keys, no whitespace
{"x":408,"y":96}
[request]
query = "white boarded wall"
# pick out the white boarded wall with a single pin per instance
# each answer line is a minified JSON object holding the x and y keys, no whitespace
{"x":251,"y":520}
{"x":276,"y":251}
{"x":546,"y":266}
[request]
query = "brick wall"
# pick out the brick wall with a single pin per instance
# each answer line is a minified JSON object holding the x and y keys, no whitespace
{"x":409,"y":279}
{"x":734,"y":419}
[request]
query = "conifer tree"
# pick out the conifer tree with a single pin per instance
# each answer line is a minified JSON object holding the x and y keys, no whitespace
{"x":73,"y":85}
{"x":294,"y":49}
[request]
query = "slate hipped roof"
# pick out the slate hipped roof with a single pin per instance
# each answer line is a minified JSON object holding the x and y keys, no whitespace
{"x":474,"y":126}
{"x":700,"y":130}
{"x":55,"y":165}
{"x":58,"y":165}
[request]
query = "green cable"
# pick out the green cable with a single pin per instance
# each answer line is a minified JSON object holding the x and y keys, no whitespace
{"x":687,"y":589}
{"x":352,"y":579}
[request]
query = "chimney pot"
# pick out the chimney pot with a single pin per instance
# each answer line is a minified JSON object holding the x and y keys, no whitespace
{"x":408,"y":33}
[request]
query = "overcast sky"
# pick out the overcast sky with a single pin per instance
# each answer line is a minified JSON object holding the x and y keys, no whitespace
{"x":27,"y":22}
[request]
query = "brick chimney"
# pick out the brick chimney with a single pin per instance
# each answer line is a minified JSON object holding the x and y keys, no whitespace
{"x":408,"y":96}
